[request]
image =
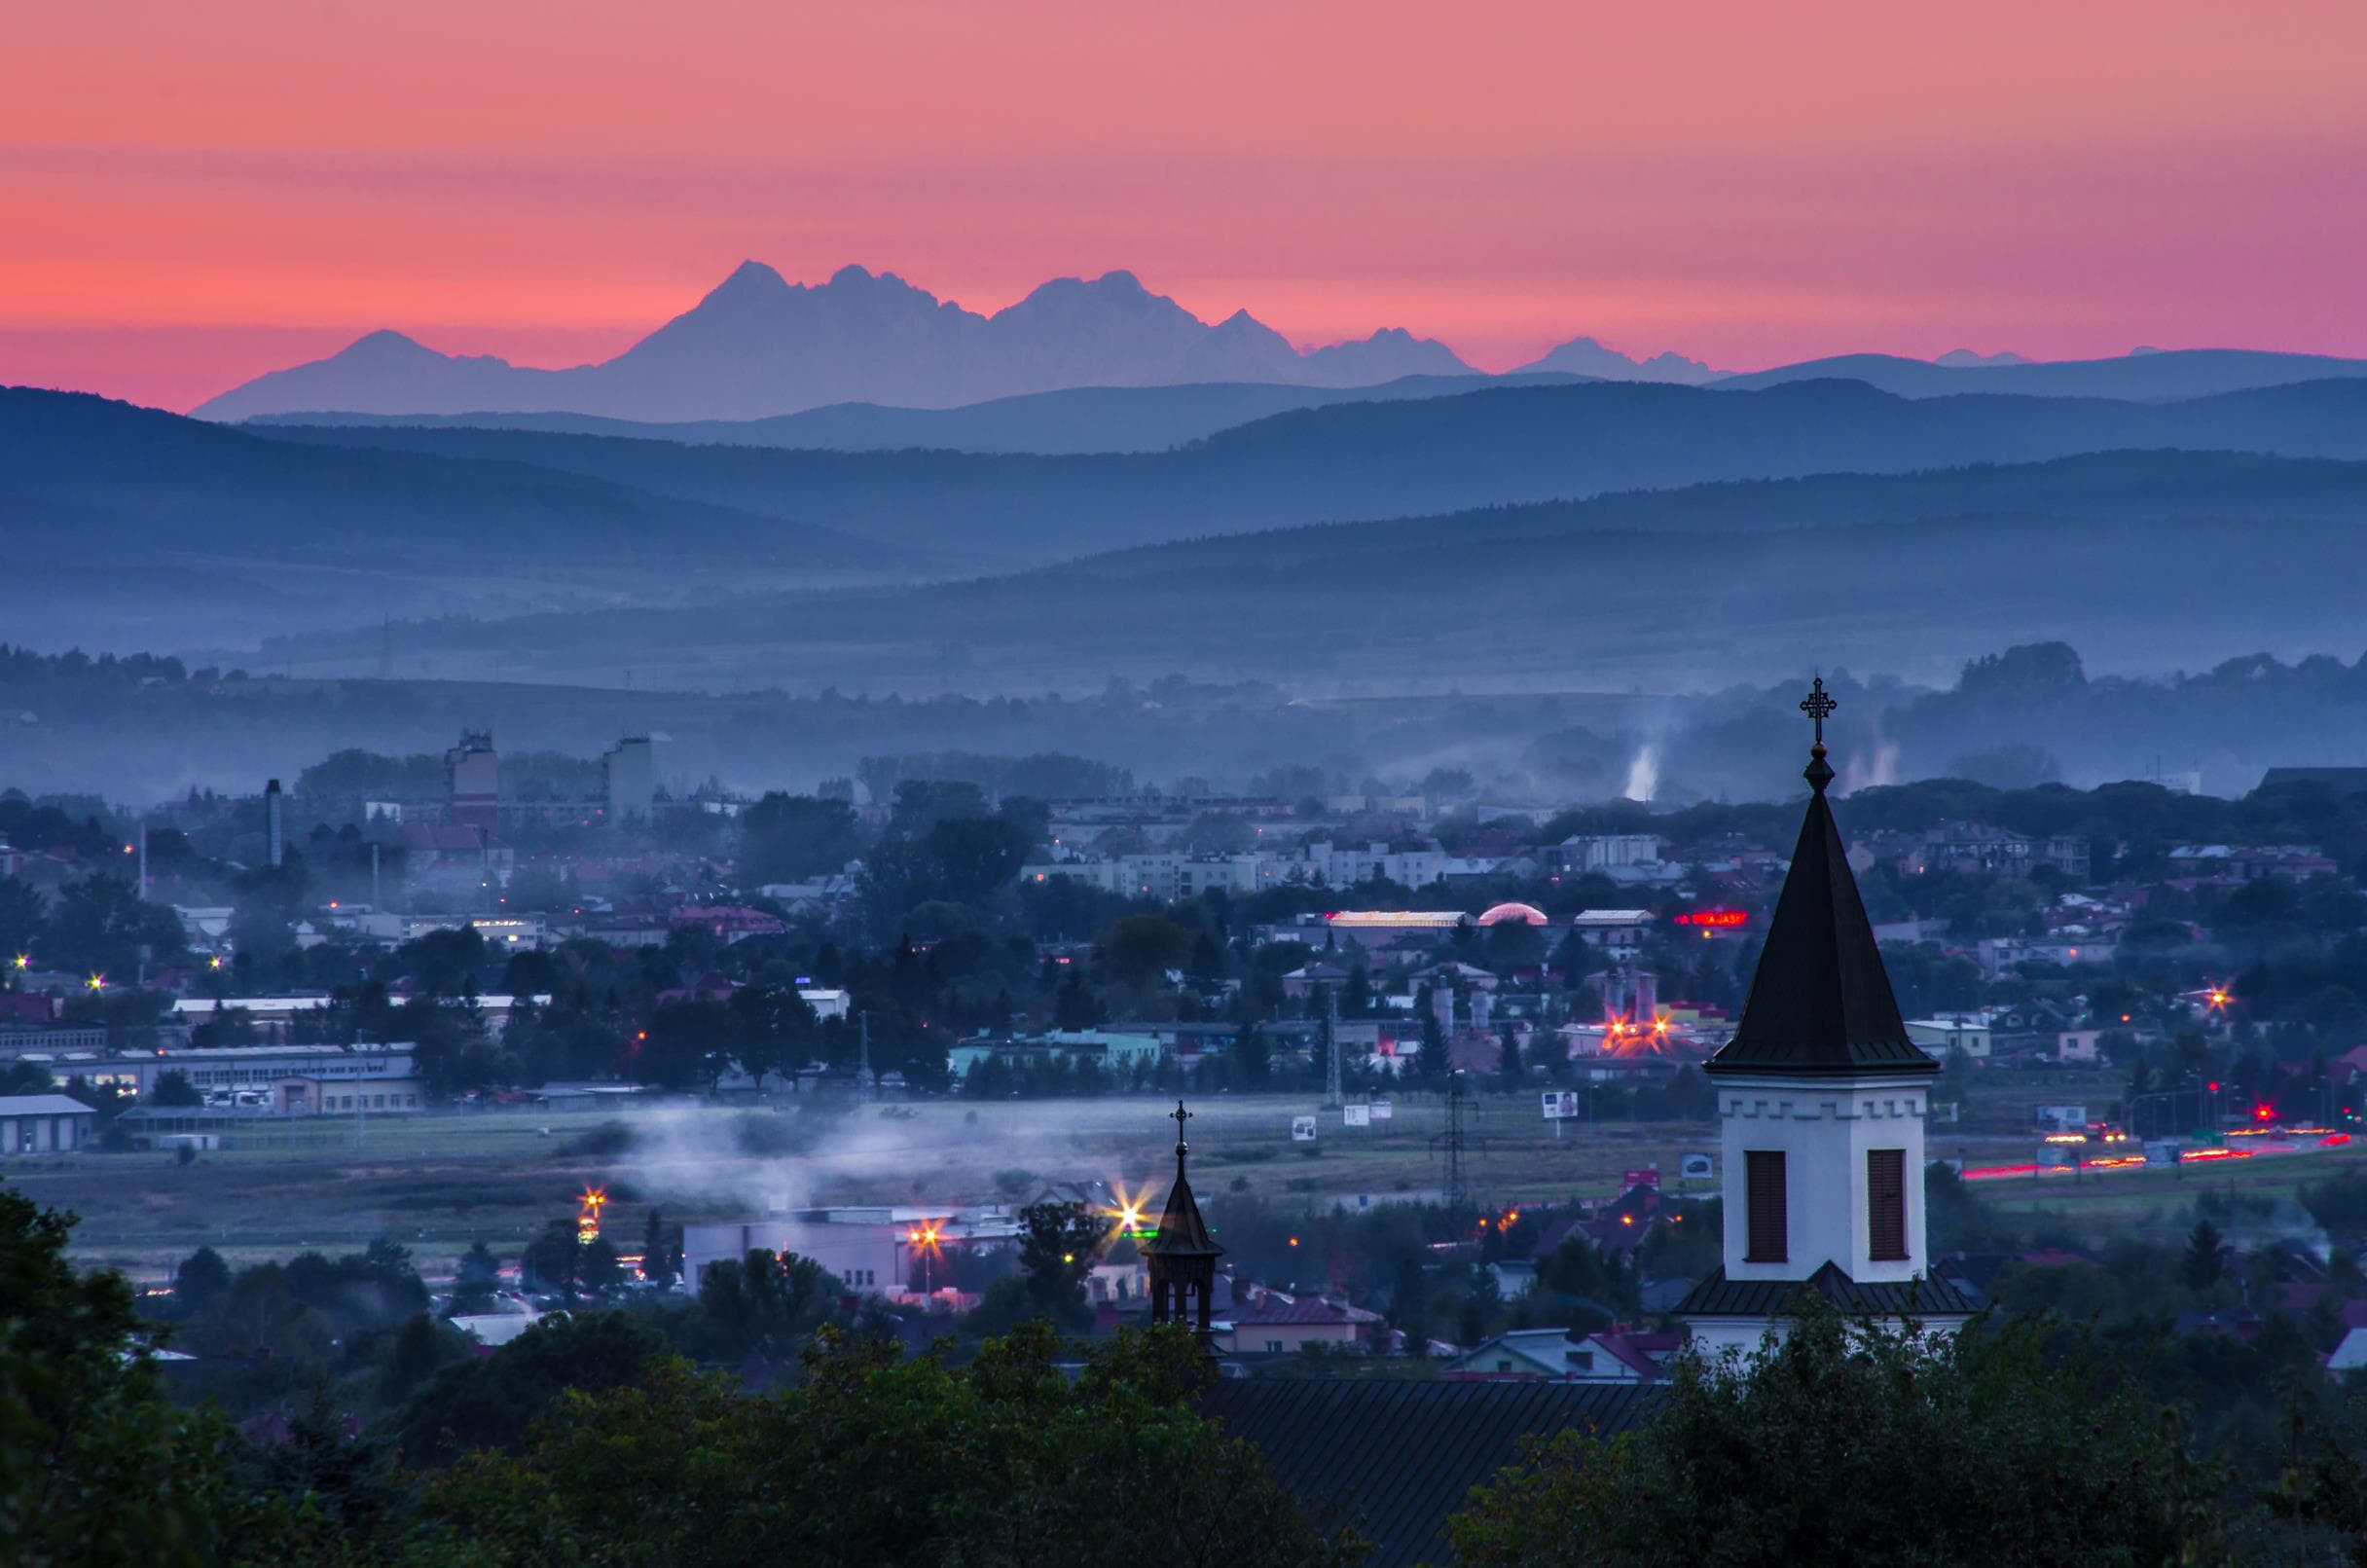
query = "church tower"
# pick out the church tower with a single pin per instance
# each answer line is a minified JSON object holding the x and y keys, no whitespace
{"x":1182,"y":1256}
{"x":1821,"y":1104}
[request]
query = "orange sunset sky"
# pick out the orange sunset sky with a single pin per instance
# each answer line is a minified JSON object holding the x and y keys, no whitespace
{"x":193,"y":194}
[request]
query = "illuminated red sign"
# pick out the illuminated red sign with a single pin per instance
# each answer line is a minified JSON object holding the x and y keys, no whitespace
{"x":1722,"y":919}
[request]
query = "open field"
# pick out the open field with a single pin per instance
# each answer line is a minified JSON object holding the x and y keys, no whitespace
{"x":2158,"y":1200}
{"x":437,"y":1183}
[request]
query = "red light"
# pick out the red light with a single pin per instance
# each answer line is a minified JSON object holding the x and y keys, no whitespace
{"x":2261,"y":1113}
{"x":2213,"y":1087}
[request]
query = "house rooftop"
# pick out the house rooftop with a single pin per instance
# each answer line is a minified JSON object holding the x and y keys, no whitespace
{"x":42,"y":1105}
{"x":1399,"y":1455}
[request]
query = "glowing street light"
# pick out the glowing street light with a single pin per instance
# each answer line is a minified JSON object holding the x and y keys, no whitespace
{"x":924,"y":1238}
{"x":587,"y":1224}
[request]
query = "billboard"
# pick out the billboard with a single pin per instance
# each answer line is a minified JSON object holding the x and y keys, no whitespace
{"x":1697,"y":1168}
{"x":1560,"y":1103}
{"x":1356,"y":1115}
{"x":1649,"y":1176}
{"x":1379,"y":1110}
{"x":1302,"y":1129}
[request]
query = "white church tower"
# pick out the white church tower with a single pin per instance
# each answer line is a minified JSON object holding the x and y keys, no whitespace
{"x":1821,"y":1102}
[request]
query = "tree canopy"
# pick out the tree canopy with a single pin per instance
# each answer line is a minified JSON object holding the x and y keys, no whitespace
{"x":1978,"y":1451}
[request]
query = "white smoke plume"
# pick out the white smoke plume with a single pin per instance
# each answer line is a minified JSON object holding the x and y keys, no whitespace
{"x":934,"y":1155}
{"x":1644,"y":773}
{"x":1864,"y":770}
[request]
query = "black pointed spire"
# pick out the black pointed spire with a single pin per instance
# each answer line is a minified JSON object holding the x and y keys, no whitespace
{"x":1182,"y":1230}
{"x":1821,"y":1004}
{"x":1182,"y":1256}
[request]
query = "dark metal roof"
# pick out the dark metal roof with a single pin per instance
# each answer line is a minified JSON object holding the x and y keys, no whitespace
{"x":2342,"y":781}
{"x":1821,"y":1004}
{"x":1718,"y":1296}
{"x":1400,"y":1454}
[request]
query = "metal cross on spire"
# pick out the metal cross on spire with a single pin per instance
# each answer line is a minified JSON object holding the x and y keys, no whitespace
{"x":1819,"y":705}
{"x":1179,"y":1116}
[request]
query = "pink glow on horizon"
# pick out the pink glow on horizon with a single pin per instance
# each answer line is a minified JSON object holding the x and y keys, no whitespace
{"x":195,"y":194}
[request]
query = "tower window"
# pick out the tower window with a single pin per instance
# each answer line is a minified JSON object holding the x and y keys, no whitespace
{"x":1769,"y":1238}
{"x":1886,"y":1205}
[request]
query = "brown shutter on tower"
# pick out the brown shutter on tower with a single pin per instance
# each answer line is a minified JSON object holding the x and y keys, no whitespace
{"x":1770,"y":1230}
{"x":1886,"y":1205}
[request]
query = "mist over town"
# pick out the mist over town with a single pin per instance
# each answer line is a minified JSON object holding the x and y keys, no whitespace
{"x":1293,"y":787}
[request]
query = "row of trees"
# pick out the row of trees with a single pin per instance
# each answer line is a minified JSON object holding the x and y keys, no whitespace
{"x":592,"y":1439}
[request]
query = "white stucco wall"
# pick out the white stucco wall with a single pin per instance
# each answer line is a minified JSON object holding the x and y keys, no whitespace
{"x":1823,"y":1128}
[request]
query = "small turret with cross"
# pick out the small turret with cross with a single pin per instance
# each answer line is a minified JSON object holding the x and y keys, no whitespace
{"x":1182,"y":1256}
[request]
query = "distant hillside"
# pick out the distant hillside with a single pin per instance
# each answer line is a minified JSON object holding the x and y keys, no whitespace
{"x":1380,"y":459}
{"x":2140,"y":377}
{"x":121,"y":514}
{"x":1073,"y":421}
{"x":758,"y":345}
{"x":2133,"y":553}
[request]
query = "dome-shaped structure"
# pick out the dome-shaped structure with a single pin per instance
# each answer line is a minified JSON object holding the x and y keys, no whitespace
{"x":1529,"y":914}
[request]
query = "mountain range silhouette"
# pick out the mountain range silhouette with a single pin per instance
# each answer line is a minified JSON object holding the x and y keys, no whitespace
{"x":758,"y":345}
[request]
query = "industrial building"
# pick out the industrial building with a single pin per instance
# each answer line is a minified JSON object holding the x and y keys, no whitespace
{"x":870,"y":1251}
{"x":43,"y":1124}
{"x":631,"y":766}
{"x":337,"y":1071}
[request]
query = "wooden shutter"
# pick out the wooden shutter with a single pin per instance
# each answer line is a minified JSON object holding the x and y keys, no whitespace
{"x":1886,"y":1204}
{"x":1770,"y":1230}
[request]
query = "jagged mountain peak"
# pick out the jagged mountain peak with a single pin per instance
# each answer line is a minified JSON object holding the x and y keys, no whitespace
{"x":386,"y":344}
{"x":752,"y":282}
{"x":1119,"y":290}
{"x":1590,"y":356}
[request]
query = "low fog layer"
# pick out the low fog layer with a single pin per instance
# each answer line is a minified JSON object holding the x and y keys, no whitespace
{"x":142,"y":731}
